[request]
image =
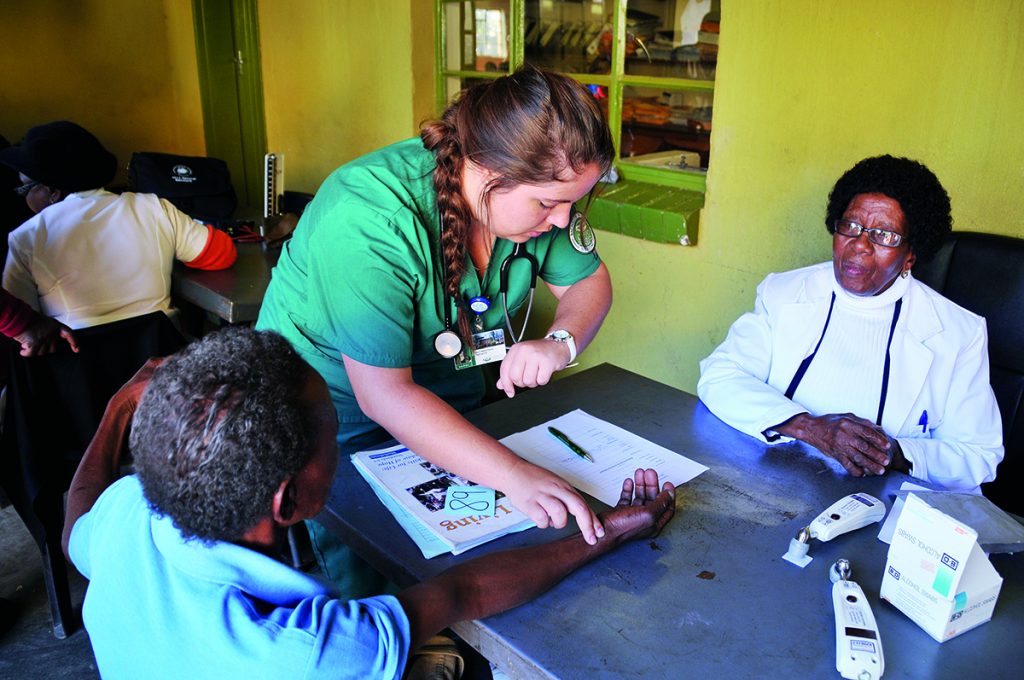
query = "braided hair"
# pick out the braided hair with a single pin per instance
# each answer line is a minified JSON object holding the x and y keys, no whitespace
{"x":528,"y":127}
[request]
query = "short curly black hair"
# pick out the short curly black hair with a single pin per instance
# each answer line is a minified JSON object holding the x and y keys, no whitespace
{"x":924,"y":202}
{"x":220,"y":426}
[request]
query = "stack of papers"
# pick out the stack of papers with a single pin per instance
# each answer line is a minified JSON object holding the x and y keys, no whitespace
{"x":414,"y":489}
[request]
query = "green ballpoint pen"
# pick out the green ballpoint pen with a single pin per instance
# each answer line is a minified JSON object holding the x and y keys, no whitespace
{"x":573,"y":446}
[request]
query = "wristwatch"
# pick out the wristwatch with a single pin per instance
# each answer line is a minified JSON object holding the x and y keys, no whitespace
{"x":564,"y":336}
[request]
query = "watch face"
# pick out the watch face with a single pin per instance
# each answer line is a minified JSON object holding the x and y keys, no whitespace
{"x":560,"y":336}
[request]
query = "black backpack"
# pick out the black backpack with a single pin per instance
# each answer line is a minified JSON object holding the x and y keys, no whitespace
{"x":196,"y":185}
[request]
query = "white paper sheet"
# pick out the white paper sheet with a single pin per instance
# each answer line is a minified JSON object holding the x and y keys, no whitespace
{"x":617,"y":453}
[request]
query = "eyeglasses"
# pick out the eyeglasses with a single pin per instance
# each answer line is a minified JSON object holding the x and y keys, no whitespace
{"x":25,"y":188}
{"x":882,"y":237}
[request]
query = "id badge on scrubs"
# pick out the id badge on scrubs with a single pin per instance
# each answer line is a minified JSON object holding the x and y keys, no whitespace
{"x":488,"y":347}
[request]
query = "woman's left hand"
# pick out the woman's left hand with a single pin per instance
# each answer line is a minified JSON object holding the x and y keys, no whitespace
{"x":581,"y":309}
{"x":859,"y":445}
{"x":531,"y":363}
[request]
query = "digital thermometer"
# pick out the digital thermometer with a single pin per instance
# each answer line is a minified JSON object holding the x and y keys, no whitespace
{"x":852,"y":512}
{"x":858,"y":645}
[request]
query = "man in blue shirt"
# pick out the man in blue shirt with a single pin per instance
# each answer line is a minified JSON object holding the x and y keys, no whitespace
{"x":234,"y":440}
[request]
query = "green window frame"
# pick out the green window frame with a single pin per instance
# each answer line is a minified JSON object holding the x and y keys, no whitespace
{"x":616,"y":82}
{"x":639,"y":204}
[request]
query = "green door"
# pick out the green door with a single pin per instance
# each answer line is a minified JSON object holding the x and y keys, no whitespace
{"x":231,"y":88}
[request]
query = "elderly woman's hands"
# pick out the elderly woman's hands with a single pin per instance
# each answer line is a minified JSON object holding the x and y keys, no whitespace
{"x":862,"y":447}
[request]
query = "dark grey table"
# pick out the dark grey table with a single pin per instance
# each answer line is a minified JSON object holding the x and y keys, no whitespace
{"x":711,"y":596}
{"x":234,"y":294}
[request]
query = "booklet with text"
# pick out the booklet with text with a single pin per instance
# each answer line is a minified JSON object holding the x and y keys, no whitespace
{"x":414,"y":490}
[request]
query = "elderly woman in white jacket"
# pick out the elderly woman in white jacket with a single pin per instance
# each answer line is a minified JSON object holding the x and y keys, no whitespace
{"x":857,"y":358}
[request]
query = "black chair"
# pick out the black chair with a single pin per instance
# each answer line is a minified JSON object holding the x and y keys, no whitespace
{"x":985,"y":274}
{"x":54,"y":406}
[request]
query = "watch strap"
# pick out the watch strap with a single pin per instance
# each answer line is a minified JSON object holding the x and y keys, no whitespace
{"x":565,"y":337}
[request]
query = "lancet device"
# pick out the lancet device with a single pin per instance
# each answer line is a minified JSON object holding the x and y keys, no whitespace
{"x":852,"y":512}
{"x":858,"y":645}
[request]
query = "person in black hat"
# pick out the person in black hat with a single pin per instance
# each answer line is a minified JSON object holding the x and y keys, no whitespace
{"x":88,"y":256}
{"x":57,"y":159}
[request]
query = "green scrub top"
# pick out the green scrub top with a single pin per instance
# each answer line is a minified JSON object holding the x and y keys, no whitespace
{"x":362,"y":276}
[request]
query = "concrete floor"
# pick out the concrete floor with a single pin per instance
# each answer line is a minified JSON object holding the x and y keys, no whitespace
{"x":28,"y":649}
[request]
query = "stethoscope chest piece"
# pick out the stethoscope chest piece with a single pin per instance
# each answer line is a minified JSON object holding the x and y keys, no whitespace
{"x":448,"y":343}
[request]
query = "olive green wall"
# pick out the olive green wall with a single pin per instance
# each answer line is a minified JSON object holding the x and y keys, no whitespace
{"x":805,"y":89}
{"x":126,"y":70}
{"x":338,"y":80}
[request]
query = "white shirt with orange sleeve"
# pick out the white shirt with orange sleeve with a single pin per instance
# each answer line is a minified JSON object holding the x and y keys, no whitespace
{"x":98,"y":257}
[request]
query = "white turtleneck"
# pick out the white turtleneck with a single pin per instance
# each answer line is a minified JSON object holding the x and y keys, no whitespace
{"x":846,"y":373}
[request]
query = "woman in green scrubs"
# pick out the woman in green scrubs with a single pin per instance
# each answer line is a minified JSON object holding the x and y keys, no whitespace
{"x":370,"y":278}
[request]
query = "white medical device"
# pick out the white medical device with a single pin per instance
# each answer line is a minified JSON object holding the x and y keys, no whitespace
{"x":273,"y":184}
{"x":852,"y":512}
{"x":858,"y":645}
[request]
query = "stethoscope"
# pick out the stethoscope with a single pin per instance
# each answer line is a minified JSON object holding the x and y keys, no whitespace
{"x":448,"y":343}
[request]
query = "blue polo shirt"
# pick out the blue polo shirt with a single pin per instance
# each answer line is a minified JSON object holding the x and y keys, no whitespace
{"x":158,"y":606}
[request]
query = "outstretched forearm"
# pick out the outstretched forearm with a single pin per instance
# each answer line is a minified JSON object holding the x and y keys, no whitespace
{"x":427,"y":425}
{"x":493,"y":583}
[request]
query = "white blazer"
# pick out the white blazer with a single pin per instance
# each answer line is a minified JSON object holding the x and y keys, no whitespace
{"x":939,"y":364}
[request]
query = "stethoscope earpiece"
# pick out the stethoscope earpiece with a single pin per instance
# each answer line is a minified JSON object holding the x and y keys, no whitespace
{"x":518,"y":252}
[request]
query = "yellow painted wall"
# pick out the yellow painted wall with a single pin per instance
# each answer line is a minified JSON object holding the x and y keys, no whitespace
{"x":338,"y":76}
{"x":126,"y":70}
{"x":338,"y":80}
{"x":804,"y":90}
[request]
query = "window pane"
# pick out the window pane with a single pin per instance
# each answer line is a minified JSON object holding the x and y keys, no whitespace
{"x":455,"y":85}
{"x":476,"y":35}
{"x":569,"y":36}
{"x":672,"y":38}
{"x":657,"y":126}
